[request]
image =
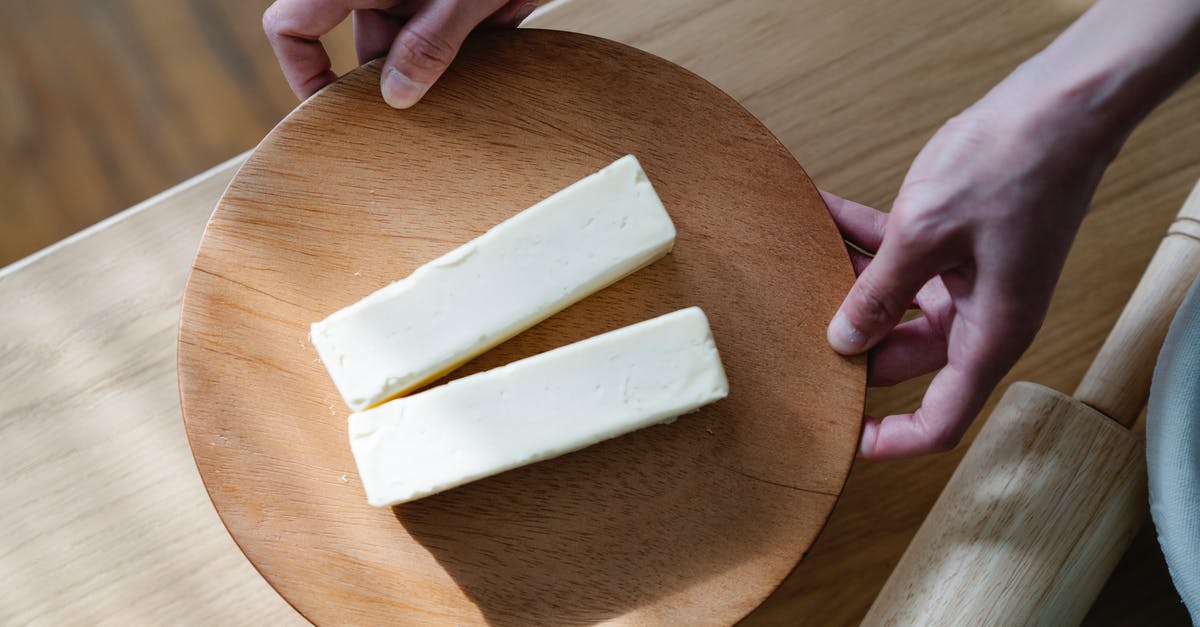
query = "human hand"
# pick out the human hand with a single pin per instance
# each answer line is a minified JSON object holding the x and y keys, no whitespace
{"x":976,"y":239}
{"x":419,"y":37}
{"x":980,"y":229}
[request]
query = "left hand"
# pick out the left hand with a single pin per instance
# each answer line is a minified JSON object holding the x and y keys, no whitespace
{"x":419,"y":37}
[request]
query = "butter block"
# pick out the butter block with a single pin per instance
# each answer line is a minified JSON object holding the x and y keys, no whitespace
{"x":537,"y":408}
{"x":519,"y":273}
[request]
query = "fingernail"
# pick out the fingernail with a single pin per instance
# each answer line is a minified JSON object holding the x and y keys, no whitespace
{"x":844,"y":337}
{"x":400,"y":91}
{"x":524,"y":12}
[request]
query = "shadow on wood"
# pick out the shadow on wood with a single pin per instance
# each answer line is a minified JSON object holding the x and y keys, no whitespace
{"x":694,"y":522}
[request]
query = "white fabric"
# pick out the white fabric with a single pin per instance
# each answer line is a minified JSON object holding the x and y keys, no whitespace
{"x":1173,"y":450}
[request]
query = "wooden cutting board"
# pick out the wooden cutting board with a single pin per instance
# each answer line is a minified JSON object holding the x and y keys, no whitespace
{"x":689,"y":523}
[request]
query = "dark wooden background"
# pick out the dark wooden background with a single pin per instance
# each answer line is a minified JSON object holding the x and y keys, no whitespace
{"x":105,"y":103}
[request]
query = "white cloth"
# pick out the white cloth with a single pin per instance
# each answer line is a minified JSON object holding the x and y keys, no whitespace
{"x":1173,"y":450}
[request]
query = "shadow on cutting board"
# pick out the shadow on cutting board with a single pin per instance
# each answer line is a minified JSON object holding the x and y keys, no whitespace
{"x":598,"y":534}
{"x":665,"y":523}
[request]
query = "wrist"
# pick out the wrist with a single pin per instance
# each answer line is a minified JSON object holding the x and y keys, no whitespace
{"x":1084,"y":112}
{"x":1096,"y":82}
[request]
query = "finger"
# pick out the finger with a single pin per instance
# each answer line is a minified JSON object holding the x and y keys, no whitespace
{"x":934,"y":300}
{"x":373,"y":33}
{"x":426,"y":45}
{"x":952,"y":401}
{"x":295,"y":27}
{"x":931,"y":297}
{"x":934,"y":290}
{"x":883,"y":292}
{"x":512,"y":14}
{"x":978,"y":356}
{"x":859,"y":224}
{"x":912,"y":349}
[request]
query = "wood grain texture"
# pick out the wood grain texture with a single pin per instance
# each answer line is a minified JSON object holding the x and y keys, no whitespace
{"x":693,"y":523}
{"x":107,"y":102}
{"x":852,"y":87}
{"x":854,"y":95}
{"x":1118,"y":381}
{"x":105,"y":520}
{"x":1031,"y":523}
{"x":1053,"y":490}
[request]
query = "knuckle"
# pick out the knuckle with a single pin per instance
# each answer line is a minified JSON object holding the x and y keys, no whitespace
{"x":278,"y":23}
{"x":271,"y":20}
{"x":873,"y":305}
{"x":970,"y":130}
{"x":908,"y":236}
{"x":879,"y":223}
{"x":929,"y":213}
{"x":961,"y":123}
{"x":426,"y":50}
{"x":922,"y":226}
{"x":916,"y":193}
{"x":942,"y":436}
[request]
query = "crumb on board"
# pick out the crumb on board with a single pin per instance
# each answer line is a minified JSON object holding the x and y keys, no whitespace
{"x":344,"y":479}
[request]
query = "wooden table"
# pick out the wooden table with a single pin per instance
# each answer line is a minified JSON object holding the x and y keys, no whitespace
{"x":104,"y":516}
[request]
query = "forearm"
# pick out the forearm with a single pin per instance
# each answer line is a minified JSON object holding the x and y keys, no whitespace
{"x":982,"y":225}
{"x":1112,"y":67}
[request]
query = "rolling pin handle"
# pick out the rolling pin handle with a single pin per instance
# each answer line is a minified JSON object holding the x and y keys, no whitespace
{"x":1118,"y":381}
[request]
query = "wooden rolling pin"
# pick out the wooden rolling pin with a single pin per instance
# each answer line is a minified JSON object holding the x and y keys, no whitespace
{"x":1053,"y":489}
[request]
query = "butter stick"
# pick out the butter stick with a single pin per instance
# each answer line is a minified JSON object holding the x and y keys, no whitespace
{"x":537,"y":408}
{"x":519,"y":273}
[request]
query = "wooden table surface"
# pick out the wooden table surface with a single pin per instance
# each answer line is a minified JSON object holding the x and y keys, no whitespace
{"x":104,"y":515}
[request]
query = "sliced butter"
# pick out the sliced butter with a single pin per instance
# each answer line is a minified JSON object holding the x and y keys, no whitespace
{"x":537,"y":408}
{"x":520,"y":272}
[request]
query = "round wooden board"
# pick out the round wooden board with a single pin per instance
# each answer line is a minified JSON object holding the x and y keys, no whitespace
{"x":690,"y":523}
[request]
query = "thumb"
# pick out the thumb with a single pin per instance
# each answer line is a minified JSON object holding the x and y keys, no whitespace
{"x":426,"y":45}
{"x":881,"y":295}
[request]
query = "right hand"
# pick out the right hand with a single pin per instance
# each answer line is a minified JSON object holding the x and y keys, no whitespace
{"x":976,"y":239}
{"x":981,"y":227}
{"x":419,"y":37}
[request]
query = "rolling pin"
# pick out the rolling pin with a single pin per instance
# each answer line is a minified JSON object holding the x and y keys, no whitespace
{"x":1053,"y":489}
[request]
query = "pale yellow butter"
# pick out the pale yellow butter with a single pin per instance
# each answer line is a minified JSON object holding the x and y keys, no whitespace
{"x":520,"y":272}
{"x":537,"y":408}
